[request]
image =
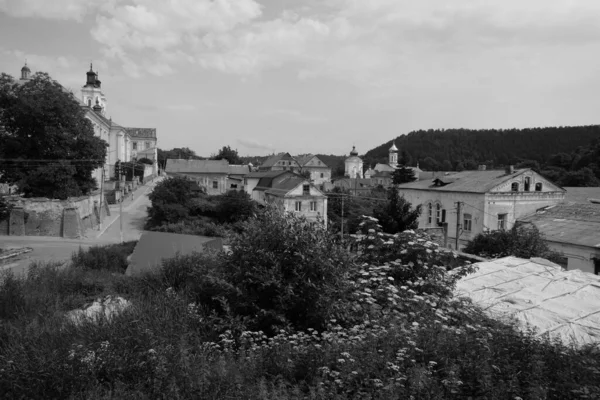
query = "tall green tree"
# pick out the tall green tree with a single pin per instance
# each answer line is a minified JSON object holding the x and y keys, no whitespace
{"x":47,"y":146}
{"x":229,"y":154}
{"x":397,"y":215}
{"x":403,"y":174}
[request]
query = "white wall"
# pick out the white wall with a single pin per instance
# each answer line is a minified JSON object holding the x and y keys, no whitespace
{"x":579,"y":257}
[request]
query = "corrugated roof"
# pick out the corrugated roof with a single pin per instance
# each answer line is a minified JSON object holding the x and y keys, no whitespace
{"x":197,"y":166}
{"x":582,"y":194}
{"x":149,"y":133}
{"x":466,"y":181}
{"x":572,"y":223}
{"x":563,"y":304}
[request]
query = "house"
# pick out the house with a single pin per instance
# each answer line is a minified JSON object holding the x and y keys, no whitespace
{"x":143,"y":145}
{"x":318,"y":170}
{"x":252,"y":179}
{"x":280,"y":162}
{"x":235,"y":179}
{"x":293,"y":193}
{"x":572,"y":229}
{"x":472,"y":202}
{"x":211,"y":174}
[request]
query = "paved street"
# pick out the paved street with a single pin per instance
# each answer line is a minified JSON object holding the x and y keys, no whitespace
{"x":58,"y":249}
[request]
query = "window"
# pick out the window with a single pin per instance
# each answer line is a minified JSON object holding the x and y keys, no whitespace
{"x":502,"y":221}
{"x":322,"y":175}
{"x":514,"y":187}
{"x":429,"y":213}
{"x":527,"y":183}
{"x":89,"y":102}
{"x":596,"y":266}
{"x":467,"y":222}
{"x":538,"y":187}
{"x":313,"y":206}
{"x":134,"y":144}
{"x":233,"y":186}
{"x":306,"y":189}
{"x":147,"y":145}
{"x":438,"y":213}
{"x":298,"y":206}
{"x":319,"y":162}
{"x":215,"y":184}
{"x":245,"y":181}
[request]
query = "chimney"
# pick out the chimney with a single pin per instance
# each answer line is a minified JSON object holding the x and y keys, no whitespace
{"x":481,"y":167}
{"x":510,"y":169}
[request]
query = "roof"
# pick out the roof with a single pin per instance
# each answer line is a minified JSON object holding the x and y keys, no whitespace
{"x":153,"y":247}
{"x":239,"y":169}
{"x":284,"y":186}
{"x":582,"y":194}
{"x":465,"y":181}
{"x":149,"y":133}
{"x":302,"y":160}
{"x":197,"y":166}
{"x":384,"y":167}
{"x":564,"y":304}
{"x":266,"y":174}
{"x":572,"y":223}
{"x":393,"y":148}
{"x":271,"y":161}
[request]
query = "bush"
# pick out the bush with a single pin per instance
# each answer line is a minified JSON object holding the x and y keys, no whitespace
{"x":108,"y":258}
{"x":171,"y":201}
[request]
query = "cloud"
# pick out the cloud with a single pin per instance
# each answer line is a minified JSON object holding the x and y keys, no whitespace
{"x":255,"y":145}
{"x":295,"y":115}
{"x":55,"y":9}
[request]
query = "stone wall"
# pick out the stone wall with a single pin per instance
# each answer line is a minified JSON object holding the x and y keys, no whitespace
{"x":44,"y":217}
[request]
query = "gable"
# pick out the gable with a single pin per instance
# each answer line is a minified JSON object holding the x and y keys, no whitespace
{"x":520,"y":179}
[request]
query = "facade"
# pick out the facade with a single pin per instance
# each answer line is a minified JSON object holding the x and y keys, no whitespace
{"x":473,"y":202}
{"x":572,"y":229}
{"x":252,"y":179}
{"x":319,"y":171}
{"x":353,"y":165}
{"x":215,"y":176}
{"x":292,"y":193}
{"x":144,"y":145}
{"x":280,"y":162}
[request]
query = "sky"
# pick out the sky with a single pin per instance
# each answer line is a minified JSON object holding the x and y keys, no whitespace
{"x":315,"y":76}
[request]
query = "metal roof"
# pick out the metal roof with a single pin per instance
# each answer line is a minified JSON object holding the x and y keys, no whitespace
{"x":149,"y":133}
{"x":538,"y":293}
{"x":582,"y":194}
{"x":197,"y":166}
{"x":239,"y":169}
{"x":572,"y":223}
{"x":466,"y":181}
{"x":271,"y":161}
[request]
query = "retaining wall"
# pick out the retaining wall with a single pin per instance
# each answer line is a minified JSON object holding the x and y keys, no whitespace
{"x":44,"y":217}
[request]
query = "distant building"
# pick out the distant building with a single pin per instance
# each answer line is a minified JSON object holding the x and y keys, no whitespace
{"x":252,"y":179}
{"x":383,"y":172}
{"x":489,"y":200}
{"x":292,"y":193}
{"x":143,"y":145}
{"x":353,"y":165}
{"x":216,"y":176}
{"x":318,"y":170}
{"x":572,"y":229}
{"x":280,"y":162}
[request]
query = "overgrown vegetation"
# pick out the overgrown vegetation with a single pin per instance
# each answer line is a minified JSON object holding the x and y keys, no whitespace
{"x":382,"y":324}
{"x":524,"y":241}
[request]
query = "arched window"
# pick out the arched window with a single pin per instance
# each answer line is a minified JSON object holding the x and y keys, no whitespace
{"x":438,"y":213}
{"x":89,"y":102}
{"x":527,"y":183}
{"x":538,"y":187}
{"x":514,"y":187}
{"x":429,"y":213}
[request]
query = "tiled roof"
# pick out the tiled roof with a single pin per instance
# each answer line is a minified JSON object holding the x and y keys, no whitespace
{"x":266,"y":174}
{"x":302,"y":160}
{"x":142,"y":132}
{"x":283,"y":187}
{"x":271,"y":161}
{"x":465,"y":181}
{"x":582,"y":194}
{"x":384,"y":167}
{"x":197,"y":166}
{"x":239,"y":169}
{"x":573,"y":223}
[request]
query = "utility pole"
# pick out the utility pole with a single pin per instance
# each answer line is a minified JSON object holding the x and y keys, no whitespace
{"x":458,"y":224}
{"x":342,"y":219}
{"x":101,"y":198}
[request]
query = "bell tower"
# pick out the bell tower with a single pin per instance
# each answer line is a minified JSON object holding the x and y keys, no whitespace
{"x":393,"y":159}
{"x":91,"y":92}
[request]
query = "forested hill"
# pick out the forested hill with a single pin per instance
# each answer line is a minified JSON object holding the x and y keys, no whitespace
{"x":491,"y":146}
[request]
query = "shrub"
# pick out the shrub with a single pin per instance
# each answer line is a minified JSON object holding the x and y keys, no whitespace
{"x":171,"y":201}
{"x":109,"y":258}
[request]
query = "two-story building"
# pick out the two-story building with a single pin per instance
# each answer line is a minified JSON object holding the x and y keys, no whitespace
{"x":215,"y":176}
{"x":280,"y":162}
{"x":472,"y":202}
{"x":292,"y":193}
{"x":319,"y":172}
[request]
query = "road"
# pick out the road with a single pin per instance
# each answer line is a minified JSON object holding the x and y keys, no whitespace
{"x":59,"y":249}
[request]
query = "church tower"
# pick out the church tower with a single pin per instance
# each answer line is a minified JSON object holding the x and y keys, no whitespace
{"x":393,"y":159}
{"x":354,"y":165}
{"x":91,"y":93}
{"x":25,"y":72}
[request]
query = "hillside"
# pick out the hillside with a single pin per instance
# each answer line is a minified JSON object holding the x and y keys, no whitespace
{"x":492,"y":146}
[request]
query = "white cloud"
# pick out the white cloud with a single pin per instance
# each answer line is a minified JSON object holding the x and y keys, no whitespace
{"x":255,"y":144}
{"x":49,"y":9}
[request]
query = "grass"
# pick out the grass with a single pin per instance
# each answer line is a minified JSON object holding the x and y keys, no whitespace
{"x":166,"y":346}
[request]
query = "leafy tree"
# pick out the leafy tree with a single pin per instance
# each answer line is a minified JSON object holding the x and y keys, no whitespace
{"x":405,"y":158}
{"x":42,"y":121}
{"x":145,"y":160}
{"x":533,"y":164}
{"x":235,"y":206}
{"x":5,"y":209}
{"x":403,"y":175}
{"x":171,"y":201}
{"x":397,"y":215}
{"x":227,"y":153}
{"x":429,"y":164}
{"x":446,"y":165}
{"x":524,"y":241}
{"x":459,"y":167}
{"x":583,"y":178}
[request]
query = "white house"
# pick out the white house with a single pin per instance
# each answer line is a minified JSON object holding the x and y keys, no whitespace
{"x":472,"y":202}
{"x":318,"y":170}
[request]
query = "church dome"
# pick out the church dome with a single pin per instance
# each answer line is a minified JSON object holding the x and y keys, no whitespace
{"x":354,"y":152}
{"x":25,"y":68}
{"x":393,"y":148}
